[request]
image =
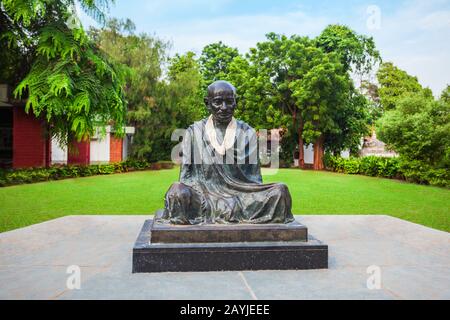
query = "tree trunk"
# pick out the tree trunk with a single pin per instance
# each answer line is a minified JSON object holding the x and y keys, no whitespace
{"x":301,"y":150}
{"x":318,"y":153}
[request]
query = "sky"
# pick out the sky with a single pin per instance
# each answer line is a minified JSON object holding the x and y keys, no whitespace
{"x":413,"y":34}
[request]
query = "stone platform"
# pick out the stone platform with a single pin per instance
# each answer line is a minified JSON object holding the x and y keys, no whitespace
{"x":168,"y":248}
{"x":413,"y":261}
{"x":219,"y":233}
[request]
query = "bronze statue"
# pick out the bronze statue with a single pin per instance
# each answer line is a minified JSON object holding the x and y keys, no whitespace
{"x":220,"y":175}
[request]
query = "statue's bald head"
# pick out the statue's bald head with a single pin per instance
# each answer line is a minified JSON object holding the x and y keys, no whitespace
{"x":220,"y":86}
{"x":221,"y":101}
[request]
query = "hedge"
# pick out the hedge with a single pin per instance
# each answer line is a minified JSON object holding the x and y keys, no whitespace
{"x":393,"y":168}
{"x":31,"y":175}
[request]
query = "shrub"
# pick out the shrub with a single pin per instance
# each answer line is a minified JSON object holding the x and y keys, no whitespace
{"x":351,"y":166}
{"x":399,"y":168}
{"x":106,"y":169}
{"x":2,"y":178}
{"x":389,"y":168}
{"x":132,"y":164}
{"x":369,"y":166}
{"x":329,"y":161}
{"x":30,"y":175}
{"x":423,"y":173}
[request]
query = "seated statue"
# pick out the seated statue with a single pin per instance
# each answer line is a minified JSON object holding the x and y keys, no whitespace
{"x":220,"y":175}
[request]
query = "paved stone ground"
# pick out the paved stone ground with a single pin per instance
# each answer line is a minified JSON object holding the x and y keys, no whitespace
{"x":414,"y":263}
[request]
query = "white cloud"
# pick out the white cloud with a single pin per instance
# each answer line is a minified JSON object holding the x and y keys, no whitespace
{"x":242,"y":31}
{"x":157,"y":7}
{"x":414,"y":37}
{"x":436,"y":20}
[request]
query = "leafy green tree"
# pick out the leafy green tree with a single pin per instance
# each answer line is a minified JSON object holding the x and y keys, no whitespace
{"x":395,"y":83}
{"x":178,"y":103}
{"x":186,"y":85}
{"x":445,"y":95}
{"x":419,"y":130}
{"x":215,"y":60}
{"x":141,"y":58}
{"x":358,"y":55}
{"x":357,"y":52}
{"x":15,"y":60}
{"x":350,"y":124}
{"x":262,"y":80}
{"x":156,"y":106}
{"x":64,"y":75}
{"x":257,"y":99}
{"x":294,"y":84}
{"x":415,"y":125}
{"x":370,"y":90}
{"x":333,"y":115}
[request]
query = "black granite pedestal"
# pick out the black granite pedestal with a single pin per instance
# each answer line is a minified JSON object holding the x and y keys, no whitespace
{"x":169,"y":248}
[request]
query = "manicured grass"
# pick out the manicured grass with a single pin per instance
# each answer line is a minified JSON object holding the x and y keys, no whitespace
{"x":143,"y":193}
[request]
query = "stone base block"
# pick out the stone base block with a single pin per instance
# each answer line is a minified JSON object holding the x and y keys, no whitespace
{"x":168,"y":233}
{"x":226,"y":256}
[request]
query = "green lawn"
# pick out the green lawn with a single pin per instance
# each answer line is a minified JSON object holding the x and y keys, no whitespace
{"x":143,"y":193}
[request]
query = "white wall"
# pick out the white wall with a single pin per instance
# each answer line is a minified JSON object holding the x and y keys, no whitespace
{"x":59,"y":154}
{"x":309,"y":154}
{"x":99,"y":145}
{"x":345,"y":154}
{"x":126,"y":145}
{"x":100,"y":149}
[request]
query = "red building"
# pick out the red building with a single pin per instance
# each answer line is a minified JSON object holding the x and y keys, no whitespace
{"x":24,"y":141}
{"x":30,"y":147}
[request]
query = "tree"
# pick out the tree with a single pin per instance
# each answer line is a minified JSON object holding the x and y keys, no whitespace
{"x":257,"y":102}
{"x":15,"y":60}
{"x":295,"y":84}
{"x":178,"y":103}
{"x":358,"y":53}
{"x":156,"y":105}
{"x":332,"y":113}
{"x":182,"y":63}
{"x":263,"y":80}
{"x":445,"y":95}
{"x":415,"y":125}
{"x":395,"y":83}
{"x":67,"y":78}
{"x":370,"y":91}
{"x":419,"y":130}
{"x":350,"y":123}
{"x":185,"y":91}
{"x":215,"y":60}
{"x":142,"y":58}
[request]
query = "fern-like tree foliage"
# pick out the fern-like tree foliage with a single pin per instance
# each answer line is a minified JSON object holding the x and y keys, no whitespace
{"x":63,"y":75}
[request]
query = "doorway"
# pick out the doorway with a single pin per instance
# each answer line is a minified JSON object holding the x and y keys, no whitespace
{"x":6,"y":136}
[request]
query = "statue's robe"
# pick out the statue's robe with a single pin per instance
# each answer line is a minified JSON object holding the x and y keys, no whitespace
{"x":228,"y":188}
